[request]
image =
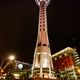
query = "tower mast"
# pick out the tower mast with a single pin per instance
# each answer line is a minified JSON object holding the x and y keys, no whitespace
{"x":42,"y":63}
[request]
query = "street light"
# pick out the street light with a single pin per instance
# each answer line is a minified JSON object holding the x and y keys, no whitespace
{"x":11,"y":60}
{"x":11,"y":57}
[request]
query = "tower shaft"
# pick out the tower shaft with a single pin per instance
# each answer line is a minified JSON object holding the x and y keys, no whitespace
{"x":42,"y":39}
{"x":42,"y":63}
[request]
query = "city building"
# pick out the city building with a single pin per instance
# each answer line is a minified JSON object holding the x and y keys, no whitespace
{"x":42,"y":63}
{"x":21,"y":65}
{"x":64,"y":64}
{"x":20,"y":71}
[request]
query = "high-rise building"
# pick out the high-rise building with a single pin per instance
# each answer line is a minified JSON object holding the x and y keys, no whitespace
{"x":64,"y":64}
{"x":42,"y":63}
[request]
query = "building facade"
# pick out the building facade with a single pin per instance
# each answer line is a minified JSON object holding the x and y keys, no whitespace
{"x":19,"y":71}
{"x":64,"y":64}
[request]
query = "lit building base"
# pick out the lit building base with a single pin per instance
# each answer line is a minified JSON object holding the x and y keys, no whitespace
{"x":43,"y":75}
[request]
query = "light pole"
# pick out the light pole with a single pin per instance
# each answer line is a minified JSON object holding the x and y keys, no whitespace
{"x":11,"y":59}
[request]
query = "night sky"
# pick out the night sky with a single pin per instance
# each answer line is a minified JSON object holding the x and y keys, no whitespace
{"x":19,"y":25}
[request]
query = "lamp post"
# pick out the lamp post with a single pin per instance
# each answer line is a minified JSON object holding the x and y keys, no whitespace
{"x":11,"y":59}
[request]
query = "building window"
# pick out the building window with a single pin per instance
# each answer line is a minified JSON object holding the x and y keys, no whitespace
{"x":43,"y":29}
{"x":43,"y":25}
{"x":43,"y":21}
{"x":44,"y":44}
{"x":43,"y":18}
{"x":40,"y":18}
{"x":40,"y":29}
{"x":40,"y":25}
{"x":39,"y":44}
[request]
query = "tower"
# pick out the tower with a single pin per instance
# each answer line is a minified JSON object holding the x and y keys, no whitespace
{"x":42,"y":63}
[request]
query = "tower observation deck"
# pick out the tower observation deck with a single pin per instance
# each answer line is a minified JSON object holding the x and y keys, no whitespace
{"x":42,"y":63}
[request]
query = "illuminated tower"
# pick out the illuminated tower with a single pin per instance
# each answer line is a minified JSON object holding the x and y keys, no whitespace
{"x":42,"y":63}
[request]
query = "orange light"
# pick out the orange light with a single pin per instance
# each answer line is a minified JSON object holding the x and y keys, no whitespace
{"x":78,"y":70}
{"x":11,"y":57}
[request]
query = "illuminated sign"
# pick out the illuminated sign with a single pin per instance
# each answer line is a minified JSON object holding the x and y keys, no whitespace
{"x":20,"y":66}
